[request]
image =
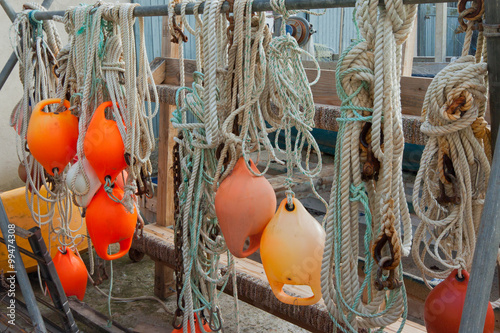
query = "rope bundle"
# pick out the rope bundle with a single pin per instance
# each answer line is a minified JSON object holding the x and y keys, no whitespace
{"x":36,"y":46}
{"x":99,"y":64}
{"x":450,"y":186}
{"x":368,"y":172}
{"x":239,"y":72}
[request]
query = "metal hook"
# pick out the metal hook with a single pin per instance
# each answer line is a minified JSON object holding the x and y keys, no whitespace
{"x":178,"y":314}
{"x":217,"y":316}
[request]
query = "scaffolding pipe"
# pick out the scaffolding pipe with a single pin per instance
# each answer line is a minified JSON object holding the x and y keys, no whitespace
{"x":257,"y":6}
{"x":20,"y":273}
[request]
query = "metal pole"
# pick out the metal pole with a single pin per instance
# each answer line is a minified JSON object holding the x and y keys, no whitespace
{"x":488,"y":238}
{"x":11,"y":63}
{"x":257,"y":6}
{"x":20,"y":273}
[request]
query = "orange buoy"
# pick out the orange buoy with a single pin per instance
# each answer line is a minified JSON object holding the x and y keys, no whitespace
{"x":291,"y":249}
{"x":109,"y":222}
{"x":52,"y":136}
{"x":103,"y":145}
{"x":206,"y":327}
{"x":244,"y":204}
{"x":72,"y":273}
{"x":444,"y":305}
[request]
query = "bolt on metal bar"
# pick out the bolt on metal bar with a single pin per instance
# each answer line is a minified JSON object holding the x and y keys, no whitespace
{"x":257,"y":6}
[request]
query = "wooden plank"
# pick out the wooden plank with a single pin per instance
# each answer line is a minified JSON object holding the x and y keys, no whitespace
{"x":440,"y":37}
{"x":253,"y":287}
{"x":164,"y":276}
{"x":412,"y":88}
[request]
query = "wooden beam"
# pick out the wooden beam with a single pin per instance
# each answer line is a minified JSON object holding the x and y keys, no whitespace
{"x":164,"y":283}
{"x":95,"y":320}
{"x":440,"y":37}
{"x":413,"y":89}
{"x":325,"y":117}
{"x":253,"y":287}
{"x":158,"y":66}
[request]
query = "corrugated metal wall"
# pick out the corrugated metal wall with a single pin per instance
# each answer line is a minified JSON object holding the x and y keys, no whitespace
{"x":426,"y":31}
{"x":328,"y":30}
{"x":152,"y":35}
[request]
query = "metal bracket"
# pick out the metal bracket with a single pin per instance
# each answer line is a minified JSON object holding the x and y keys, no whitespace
{"x":491,"y":30}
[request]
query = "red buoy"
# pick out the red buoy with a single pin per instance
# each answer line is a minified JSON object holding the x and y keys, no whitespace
{"x":444,"y":305}
{"x":108,"y":222}
{"x":244,"y":204}
{"x":206,"y":327}
{"x":52,"y":136}
{"x":72,"y":273}
{"x":103,"y":145}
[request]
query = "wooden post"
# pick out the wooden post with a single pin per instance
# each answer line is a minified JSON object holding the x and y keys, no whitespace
{"x":409,"y":51}
{"x":164,"y":276}
{"x":488,"y":238}
{"x":441,"y":26}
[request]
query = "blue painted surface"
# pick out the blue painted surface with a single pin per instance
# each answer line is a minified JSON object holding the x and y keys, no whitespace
{"x":327,"y":140}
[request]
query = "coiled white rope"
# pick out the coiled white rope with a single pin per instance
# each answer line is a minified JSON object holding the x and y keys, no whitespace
{"x":450,"y":186}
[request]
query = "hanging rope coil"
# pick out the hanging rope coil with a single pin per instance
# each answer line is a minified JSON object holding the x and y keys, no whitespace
{"x":368,"y":173}
{"x":450,"y":186}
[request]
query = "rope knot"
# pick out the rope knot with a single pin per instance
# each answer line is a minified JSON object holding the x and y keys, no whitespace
{"x":455,"y":107}
{"x":480,"y":128}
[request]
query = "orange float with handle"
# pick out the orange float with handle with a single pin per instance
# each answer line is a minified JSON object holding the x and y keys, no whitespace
{"x":108,"y":222}
{"x":72,"y":273}
{"x":103,"y":145}
{"x":244,"y":204}
{"x":52,"y":136}
{"x":444,"y":305}
{"x":291,"y":249}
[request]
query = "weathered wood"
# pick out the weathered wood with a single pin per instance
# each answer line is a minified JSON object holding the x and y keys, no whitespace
{"x":252,"y":285}
{"x":324,"y":92}
{"x":441,"y":26}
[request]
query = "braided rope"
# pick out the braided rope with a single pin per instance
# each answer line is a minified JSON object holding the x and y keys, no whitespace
{"x":368,"y":75}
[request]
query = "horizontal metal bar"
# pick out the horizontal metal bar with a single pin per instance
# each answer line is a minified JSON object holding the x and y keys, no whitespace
{"x":257,"y":6}
{"x":25,"y":252}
